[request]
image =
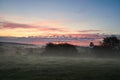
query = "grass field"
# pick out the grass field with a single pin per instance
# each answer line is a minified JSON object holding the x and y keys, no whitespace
{"x":58,"y":68}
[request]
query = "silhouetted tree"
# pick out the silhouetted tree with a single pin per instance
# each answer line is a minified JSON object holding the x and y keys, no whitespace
{"x":110,"y":41}
{"x":60,"y":50}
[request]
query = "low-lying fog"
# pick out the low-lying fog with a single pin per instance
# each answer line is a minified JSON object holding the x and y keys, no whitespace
{"x":58,"y":63}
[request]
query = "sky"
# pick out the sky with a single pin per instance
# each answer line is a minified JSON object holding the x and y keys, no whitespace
{"x":25,"y":18}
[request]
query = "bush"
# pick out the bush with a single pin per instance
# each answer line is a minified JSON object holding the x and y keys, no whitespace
{"x":60,"y":50}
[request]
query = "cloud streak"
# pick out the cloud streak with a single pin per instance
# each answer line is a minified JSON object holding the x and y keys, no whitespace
{"x":11,"y":25}
{"x":91,"y":30}
{"x":21,"y":30}
{"x":79,"y":40}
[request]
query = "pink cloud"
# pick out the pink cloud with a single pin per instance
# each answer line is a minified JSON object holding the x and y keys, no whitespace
{"x":11,"y":25}
{"x":84,"y":35}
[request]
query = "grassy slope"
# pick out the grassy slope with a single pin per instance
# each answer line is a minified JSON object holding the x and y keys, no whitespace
{"x":58,"y":68}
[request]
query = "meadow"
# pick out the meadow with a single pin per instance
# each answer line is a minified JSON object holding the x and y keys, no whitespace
{"x":33,"y":67}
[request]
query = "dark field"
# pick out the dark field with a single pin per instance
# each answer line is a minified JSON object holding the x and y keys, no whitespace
{"x":58,"y":68}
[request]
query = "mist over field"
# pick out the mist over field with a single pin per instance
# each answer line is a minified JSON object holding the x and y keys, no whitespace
{"x":61,"y":68}
{"x":30,"y":62}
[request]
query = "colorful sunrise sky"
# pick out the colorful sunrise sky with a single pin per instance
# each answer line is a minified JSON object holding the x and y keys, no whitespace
{"x":24,"y":18}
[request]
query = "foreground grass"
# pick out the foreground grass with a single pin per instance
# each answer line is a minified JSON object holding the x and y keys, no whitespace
{"x":58,"y":68}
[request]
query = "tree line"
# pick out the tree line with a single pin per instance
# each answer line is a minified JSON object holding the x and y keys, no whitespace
{"x":111,"y":41}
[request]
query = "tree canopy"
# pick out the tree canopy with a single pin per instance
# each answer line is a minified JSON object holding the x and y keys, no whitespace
{"x":111,"y":41}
